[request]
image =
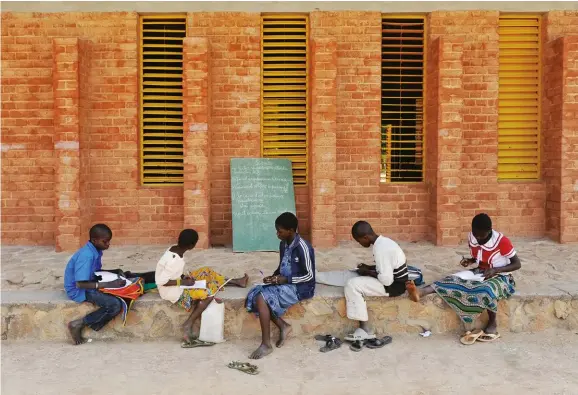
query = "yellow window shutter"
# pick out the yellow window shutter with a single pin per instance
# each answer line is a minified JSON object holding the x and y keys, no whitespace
{"x":161,"y":98}
{"x":519,"y":97}
{"x":284,"y":90}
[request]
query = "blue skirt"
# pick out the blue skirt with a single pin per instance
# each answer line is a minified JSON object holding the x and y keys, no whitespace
{"x":278,"y":297}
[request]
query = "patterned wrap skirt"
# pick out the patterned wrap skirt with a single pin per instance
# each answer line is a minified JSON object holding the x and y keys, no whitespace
{"x":214,"y":281}
{"x":470,"y":298}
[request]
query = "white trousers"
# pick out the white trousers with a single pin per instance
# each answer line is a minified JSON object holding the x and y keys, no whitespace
{"x":356,"y":290}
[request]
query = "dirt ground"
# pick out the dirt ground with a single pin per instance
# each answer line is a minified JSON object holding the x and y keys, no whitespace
{"x":526,"y":364}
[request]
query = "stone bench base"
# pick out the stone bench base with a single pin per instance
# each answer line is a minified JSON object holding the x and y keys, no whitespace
{"x":43,"y":316}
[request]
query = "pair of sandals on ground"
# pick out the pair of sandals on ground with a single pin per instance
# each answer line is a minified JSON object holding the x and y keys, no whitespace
{"x":470,"y":337}
{"x":358,"y":340}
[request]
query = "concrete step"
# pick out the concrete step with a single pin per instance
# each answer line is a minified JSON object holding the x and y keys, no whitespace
{"x":42,"y":315}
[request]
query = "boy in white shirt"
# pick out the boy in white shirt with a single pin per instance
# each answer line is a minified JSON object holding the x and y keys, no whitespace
{"x":388,"y":277}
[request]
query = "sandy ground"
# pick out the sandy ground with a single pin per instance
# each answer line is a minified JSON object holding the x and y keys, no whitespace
{"x":517,"y":364}
{"x":546,"y":266}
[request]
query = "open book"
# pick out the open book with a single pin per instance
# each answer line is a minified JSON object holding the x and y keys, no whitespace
{"x":199,"y":284}
{"x":202,"y":284}
{"x":108,"y":277}
{"x":469,"y":275}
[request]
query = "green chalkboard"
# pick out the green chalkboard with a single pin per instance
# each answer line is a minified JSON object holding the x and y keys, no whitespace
{"x":261,"y":190}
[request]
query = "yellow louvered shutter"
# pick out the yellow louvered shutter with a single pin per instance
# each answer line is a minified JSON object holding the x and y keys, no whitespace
{"x":519,"y":98}
{"x":161,"y":105}
{"x":284,"y":91}
{"x":402,"y":99}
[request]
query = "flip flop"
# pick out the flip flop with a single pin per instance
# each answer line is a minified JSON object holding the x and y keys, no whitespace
{"x":359,"y":334}
{"x":323,"y":338}
{"x":356,"y":346}
{"x":470,"y":338}
{"x":488,"y":337}
{"x":331,"y":344}
{"x":378,"y":343}
{"x":244,"y":367}
{"x":196,"y":343}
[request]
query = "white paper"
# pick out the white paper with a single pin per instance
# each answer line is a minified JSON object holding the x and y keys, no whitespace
{"x":469,"y":275}
{"x":108,"y":277}
{"x":199,"y":284}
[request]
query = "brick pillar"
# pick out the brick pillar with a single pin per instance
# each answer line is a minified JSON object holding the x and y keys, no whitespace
{"x":560,"y":141}
{"x":444,"y":143}
{"x":323,"y":166}
{"x":66,"y":143}
{"x":552,"y":128}
{"x":569,"y":225}
{"x":196,"y":112}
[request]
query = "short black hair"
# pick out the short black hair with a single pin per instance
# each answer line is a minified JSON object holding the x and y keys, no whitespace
{"x":482,"y":222}
{"x":360,"y":229}
{"x":100,"y":230}
{"x":188,"y":237}
{"x":287,"y":221}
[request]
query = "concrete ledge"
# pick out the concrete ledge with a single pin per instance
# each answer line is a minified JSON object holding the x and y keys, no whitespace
{"x":44,"y":314}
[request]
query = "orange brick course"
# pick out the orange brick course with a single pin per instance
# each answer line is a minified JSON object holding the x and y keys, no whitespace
{"x":70,"y":138}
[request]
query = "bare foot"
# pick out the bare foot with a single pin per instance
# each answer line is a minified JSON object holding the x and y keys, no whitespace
{"x":492,"y":328}
{"x":283,"y":334}
{"x":188,"y":335}
{"x":412,"y":291}
{"x":244,"y":281}
{"x":261,"y":352}
{"x":75,"y":329}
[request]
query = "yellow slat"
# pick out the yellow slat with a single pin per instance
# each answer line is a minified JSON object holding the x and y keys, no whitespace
{"x":162,"y":90}
{"x":162,"y":98}
{"x":163,"y":39}
{"x":166,"y":156}
{"x":176,"y":30}
{"x":172,"y":45}
{"x":163,"y":127}
{"x":166,"y":135}
{"x":164,"y":171}
{"x":162,"y":83}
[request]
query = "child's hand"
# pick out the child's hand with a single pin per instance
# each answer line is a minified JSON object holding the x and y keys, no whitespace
{"x":465,"y":262}
{"x":489,"y":273}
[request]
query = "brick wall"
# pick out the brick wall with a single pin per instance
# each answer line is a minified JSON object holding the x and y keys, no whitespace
{"x":70,"y":156}
{"x":109,"y":129}
{"x":235,"y":65}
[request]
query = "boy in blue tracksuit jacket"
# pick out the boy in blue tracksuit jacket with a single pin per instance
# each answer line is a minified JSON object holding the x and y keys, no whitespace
{"x":293,"y":281}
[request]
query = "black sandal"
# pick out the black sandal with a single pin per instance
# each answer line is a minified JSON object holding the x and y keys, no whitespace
{"x":333,"y":343}
{"x":378,"y":343}
{"x":323,"y":338}
{"x":356,"y":345}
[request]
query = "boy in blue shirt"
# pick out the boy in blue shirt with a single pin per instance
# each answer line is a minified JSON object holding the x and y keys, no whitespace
{"x":81,"y":285}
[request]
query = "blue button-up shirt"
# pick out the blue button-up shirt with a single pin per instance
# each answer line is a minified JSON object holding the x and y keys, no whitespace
{"x":81,"y":267}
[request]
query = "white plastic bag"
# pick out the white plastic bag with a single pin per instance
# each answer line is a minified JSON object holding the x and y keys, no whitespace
{"x":213,"y":323}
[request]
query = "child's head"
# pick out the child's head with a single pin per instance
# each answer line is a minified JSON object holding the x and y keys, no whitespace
{"x":286,"y":226}
{"x":363,"y":233}
{"x":482,"y":228}
{"x":188,"y":239}
{"x":100,"y":236}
